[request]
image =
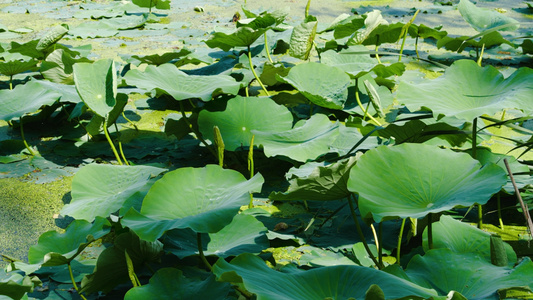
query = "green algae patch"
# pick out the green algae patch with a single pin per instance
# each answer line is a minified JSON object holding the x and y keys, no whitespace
{"x":28,"y":210}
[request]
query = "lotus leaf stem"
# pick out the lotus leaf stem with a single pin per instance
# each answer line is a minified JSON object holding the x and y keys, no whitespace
{"x":416,"y":48}
{"x":377,"y":48}
{"x":255,"y":74}
{"x":400,"y":242}
{"x":24,"y":139}
{"x":251,"y":167}
{"x":474,"y":156}
{"x":129,"y":121}
{"x":498,"y":200}
{"x":380,"y":244}
{"x":525,"y":209}
{"x":375,"y":235}
{"x":406,"y":29}
{"x":131,"y":270}
{"x":365,"y":112}
{"x":430,"y":231}
{"x":267,"y":49}
{"x":120,"y":147}
{"x":198,"y":134}
{"x":111,"y":143}
{"x":201,"y":251}
{"x":74,"y":282}
{"x":10,"y":82}
{"x":360,"y":232}
{"x":307,"y":8}
{"x":480,"y":58}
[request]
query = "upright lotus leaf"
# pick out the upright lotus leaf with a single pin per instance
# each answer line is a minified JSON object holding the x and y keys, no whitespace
{"x":159,"y":4}
{"x":245,"y":234}
{"x":466,"y":273}
{"x":13,"y":105}
{"x":100,"y":190}
{"x":241,"y":116}
{"x":168,"y":79}
{"x":265,"y":20}
{"x":112,"y":268}
{"x":467,"y":91}
{"x":335,"y":282}
{"x":421,"y":179}
{"x":15,"y":286}
{"x":323,"y":85}
{"x":302,"y":38}
{"x":483,"y":19}
{"x":322,"y":184}
{"x":54,"y":248}
{"x":463,"y":238}
{"x":58,"y":66}
{"x":242,"y":37}
{"x":15,"y":66}
{"x":372,"y":21}
{"x":352,"y":60}
{"x":170,"y":283}
{"x":203,"y":199}
{"x":96,"y":84}
{"x":157,"y":59}
{"x":306,"y":141}
{"x":52,"y":36}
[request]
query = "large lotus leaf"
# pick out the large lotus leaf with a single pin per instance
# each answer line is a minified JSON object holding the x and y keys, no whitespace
{"x":54,"y":248}
{"x":159,"y":4}
{"x":467,"y":91}
{"x":203,"y":199}
{"x":67,"y":93}
{"x":306,"y":141}
{"x":159,"y":59}
{"x":169,"y":283}
{"x":12,"y":67}
{"x":96,"y":84}
{"x":57,"y":67}
{"x":484,"y":19}
{"x":412,"y":180}
{"x":14,"y":286}
{"x":128,"y":22}
{"x":99,"y":190}
{"x":52,"y":36}
{"x":242,"y":37}
{"x":245,"y":234}
{"x":352,"y":60}
{"x":241,"y":116}
{"x":466,"y":273}
{"x":335,"y":282}
{"x":93,"y":29}
{"x":265,"y":20}
{"x":323,"y":183}
{"x":25,"y":98}
{"x":302,"y":38}
{"x":167,"y":78}
{"x":463,"y":238}
{"x":112,"y":268}
{"x":323,"y":85}
{"x":372,"y":22}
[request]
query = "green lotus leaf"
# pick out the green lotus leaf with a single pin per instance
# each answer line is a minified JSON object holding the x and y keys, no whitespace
{"x":96,"y":84}
{"x":306,"y":141}
{"x":51,"y":37}
{"x":241,"y":116}
{"x":127,"y":22}
{"x":203,"y":199}
{"x":265,"y":19}
{"x":245,"y":234}
{"x":390,"y":33}
{"x":323,"y":85}
{"x":169,"y":283}
{"x":466,"y":273}
{"x":100,"y":190}
{"x":111,"y":266}
{"x":58,"y":66}
{"x":323,"y":183}
{"x":15,"y":286}
{"x":467,"y":91}
{"x":420,"y":179}
{"x":463,"y":238}
{"x":13,"y":67}
{"x":12,"y":105}
{"x":335,"y":282}
{"x":483,"y":19}
{"x":159,"y":4}
{"x":421,"y":131}
{"x":93,"y":29}
{"x":349,"y":137}
{"x":156,"y":59}
{"x":345,"y":25}
{"x":372,"y":21}
{"x":168,"y":79}
{"x":54,"y":248}
{"x":352,"y":60}
{"x":302,"y":38}
{"x":242,"y":37}
{"x":458,"y":44}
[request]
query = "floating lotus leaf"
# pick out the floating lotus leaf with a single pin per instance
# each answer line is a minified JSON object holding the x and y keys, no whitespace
{"x":466,"y":273}
{"x":203,"y":199}
{"x":323,"y":85}
{"x":483,"y":19}
{"x":96,"y":84}
{"x":412,"y":180}
{"x":242,"y":37}
{"x":467,"y":91}
{"x":93,"y":29}
{"x":306,"y":141}
{"x":12,"y":105}
{"x":241,"y":116}
{"x":169,"y":283}
{"x":100,"y":190}
{"x":335,"y":282}
{"x":168,"y":79}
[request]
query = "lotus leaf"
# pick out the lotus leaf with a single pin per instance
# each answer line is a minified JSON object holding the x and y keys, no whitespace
{"x":13,"y":67}
{"x":168,"y":79}
{"x":15,"y":286}
{"x":306,"y":141}
{"x":467,"y":91}
{"x":302,"y":38}
{"x":96,"y":84}
{"x":420,"y":179}
{"x":323,"y":85}
{"x":127,"y":22}
{"x":336,"y":282}
{"x":35,"y":96}
{"x":170,"y":283}
{"x":372,"y":21}
{"x":466,"y":273}
{"x":51,"y":37}
{"x":463,"y":238}
{"x":242,"y":37}
{"x":483,"y":19}
{"x":203,"y":199}
{"x":57,"y":67}
{"x":265,"y":20}
{"x":241,"y":116}
{"x":159,"y":4}
{"x":100,"y":190}
{"x":352,"y":60}
{"x":93,"y":29}
{"x":156,"y":59}
{"x":244,"y":234}
{"x":54,"y":248}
